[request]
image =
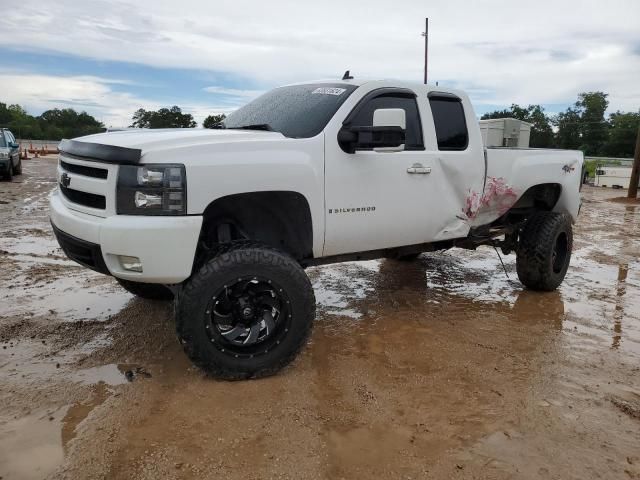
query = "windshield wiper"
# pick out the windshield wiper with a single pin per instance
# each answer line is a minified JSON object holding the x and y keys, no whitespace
{"x":255,"y":126}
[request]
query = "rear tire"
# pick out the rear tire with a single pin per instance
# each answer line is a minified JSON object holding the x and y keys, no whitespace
{"x":246,"y":313}
{"x":544,"y":251}
{"x":150,"y":291}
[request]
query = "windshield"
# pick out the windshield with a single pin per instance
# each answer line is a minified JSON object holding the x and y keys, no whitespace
{"x":297,"y":111}
{"x":2,"y":142}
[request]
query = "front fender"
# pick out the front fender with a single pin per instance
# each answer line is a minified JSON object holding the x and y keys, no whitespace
{"x":220,"y":170}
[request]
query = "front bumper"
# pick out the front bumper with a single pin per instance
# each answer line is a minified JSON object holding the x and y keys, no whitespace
{"x":166,"y":246}
{"x":85,"y":253}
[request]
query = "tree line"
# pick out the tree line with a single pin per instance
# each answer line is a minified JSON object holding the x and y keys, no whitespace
{"x":582,"y":126}
{"x":57,"y":123}
{"x":172,"y":118}
{"x":53,"y":124}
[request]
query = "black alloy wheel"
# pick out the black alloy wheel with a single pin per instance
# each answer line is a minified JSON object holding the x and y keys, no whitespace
{"x":248,"y":316}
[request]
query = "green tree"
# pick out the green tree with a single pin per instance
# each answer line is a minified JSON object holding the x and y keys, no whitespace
{"x":568,"y":134}
{"x":163,"y":118}
{"x":541,"y":131}
{"x":67,"y":123}
{"x":623,"y":129}
{"x":594,"y":127}
{"x":214,"y":121}
{"x":5,"y":114}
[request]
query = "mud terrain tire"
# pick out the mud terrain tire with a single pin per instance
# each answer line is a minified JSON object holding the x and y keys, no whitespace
{"x":228,"y":285}
{"x":150,"y":291}
{"x":544,"y":251}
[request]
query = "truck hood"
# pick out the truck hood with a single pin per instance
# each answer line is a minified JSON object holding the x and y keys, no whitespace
{"x":149,"y":140}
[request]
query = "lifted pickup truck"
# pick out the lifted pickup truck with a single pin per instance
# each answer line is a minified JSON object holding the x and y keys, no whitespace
{"x":226,"y":220}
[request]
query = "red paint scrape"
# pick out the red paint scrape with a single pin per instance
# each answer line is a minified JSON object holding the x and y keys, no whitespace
{"x":497,"y":196}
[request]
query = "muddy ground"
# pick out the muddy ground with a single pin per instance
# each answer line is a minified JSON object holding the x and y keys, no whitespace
{"x":442,"y":368}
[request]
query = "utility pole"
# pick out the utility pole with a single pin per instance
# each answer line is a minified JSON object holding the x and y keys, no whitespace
{"x":635,"y":171}
{"x":425,"y":34}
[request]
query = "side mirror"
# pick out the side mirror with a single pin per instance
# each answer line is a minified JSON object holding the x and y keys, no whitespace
{"x":391,"y":117}
{"x":387,"y":134}
{"x":14,"y":145}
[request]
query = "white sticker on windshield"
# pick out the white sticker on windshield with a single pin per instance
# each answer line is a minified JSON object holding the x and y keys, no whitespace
{"x":329,"y":91}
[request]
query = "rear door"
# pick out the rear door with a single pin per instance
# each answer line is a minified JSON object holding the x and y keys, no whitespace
{"x":454,"y":139}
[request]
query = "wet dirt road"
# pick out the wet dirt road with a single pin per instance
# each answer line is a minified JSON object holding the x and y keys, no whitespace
{"x":442,"y":368}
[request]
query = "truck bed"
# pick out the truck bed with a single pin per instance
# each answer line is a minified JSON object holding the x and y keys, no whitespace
{"x":510,"y":172}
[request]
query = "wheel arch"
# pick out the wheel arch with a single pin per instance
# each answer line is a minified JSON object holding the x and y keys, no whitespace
{"x":278,"y":218}
{"x":542,"y":197}
{"x":539,"y":197}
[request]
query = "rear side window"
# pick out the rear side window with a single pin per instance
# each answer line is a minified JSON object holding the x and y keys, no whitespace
{"x":364,"y":117}
{"x":451,"y":126}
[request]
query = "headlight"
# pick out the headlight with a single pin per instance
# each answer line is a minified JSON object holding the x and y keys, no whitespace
{"x":4,"y":155}
{"x":159,"y":189}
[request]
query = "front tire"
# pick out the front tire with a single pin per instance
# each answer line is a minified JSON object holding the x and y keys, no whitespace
{"x":246,"y":313}
{"x":544,"y":251}
{"x":19,"y":167}
{"x":150,"y":291}
{"x":9,"y":175}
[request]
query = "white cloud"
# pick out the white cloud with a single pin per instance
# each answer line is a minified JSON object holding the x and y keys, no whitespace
{"x":527,"y":52}
{"x":85,"y":93}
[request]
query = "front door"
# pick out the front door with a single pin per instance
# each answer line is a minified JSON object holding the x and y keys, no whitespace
{"x":382,"y":199}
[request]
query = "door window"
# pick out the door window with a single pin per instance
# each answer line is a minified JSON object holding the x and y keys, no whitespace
{"x":364,"y":116}
{"x":450,"y":123}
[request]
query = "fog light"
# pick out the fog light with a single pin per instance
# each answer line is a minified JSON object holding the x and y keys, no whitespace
{"x":133,"y":264}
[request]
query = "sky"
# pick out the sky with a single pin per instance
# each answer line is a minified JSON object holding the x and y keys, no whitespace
{"x":111,"y":57}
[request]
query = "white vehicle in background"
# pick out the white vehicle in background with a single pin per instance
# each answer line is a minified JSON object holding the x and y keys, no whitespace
{"x":308,"y":174}
{"x":613,"y":177}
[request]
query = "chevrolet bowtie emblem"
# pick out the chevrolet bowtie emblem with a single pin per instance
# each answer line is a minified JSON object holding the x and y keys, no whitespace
{"x":65,"y":179}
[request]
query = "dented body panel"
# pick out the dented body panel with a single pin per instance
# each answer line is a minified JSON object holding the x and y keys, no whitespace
{"x":512,"y":171}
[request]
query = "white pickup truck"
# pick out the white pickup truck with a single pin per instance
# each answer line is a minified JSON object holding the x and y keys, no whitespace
{"x":226,"y":220}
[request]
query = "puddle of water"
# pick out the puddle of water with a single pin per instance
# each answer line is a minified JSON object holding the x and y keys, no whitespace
{"x":38,"y":245}
{"x":68,"y":293}
{"x":111,"y":374}
{"x":78,"y":412}
{"x":335,"y":286}
{"x":31,"y":447}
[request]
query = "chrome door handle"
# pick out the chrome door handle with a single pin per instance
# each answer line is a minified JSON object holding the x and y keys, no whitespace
{"x":419,"y":169}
